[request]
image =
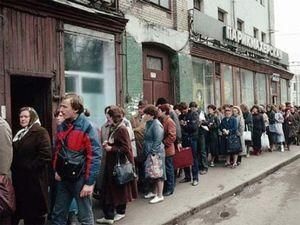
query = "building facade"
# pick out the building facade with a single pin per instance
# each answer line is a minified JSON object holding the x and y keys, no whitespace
{"x":234,"y":56}
{"x":48,"y":48}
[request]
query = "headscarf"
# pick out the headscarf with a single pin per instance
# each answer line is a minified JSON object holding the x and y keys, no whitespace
{"x":34,"y":118}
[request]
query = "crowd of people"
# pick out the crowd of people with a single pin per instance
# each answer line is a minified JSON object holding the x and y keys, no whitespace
{"x":84,"y":158}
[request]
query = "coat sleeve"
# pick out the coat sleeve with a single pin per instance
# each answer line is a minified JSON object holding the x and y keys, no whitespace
{"x":157,"y":137}
{"x":43,"y":147}
{"x":6,"y":151}
{"x":170,"y":135}
{"x":93,"y":156}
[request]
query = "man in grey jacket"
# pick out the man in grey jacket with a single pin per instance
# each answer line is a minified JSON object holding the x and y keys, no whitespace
{"x":6,"y":152}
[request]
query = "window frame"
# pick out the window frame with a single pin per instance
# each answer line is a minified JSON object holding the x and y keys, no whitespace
{"x":242,"y":23}
{"x":224,"y":15}
{"x":159,"y":4}
{"x":255,"y":33}
{"x":200,"y":7}
{"x":263,"y":37}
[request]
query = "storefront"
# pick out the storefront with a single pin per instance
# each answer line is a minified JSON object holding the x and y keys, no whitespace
{"x":48,"y":48}
{"x":221,"y":77}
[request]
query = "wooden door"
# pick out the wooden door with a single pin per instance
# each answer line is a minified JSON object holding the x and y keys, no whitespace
{"x":156,"y":69}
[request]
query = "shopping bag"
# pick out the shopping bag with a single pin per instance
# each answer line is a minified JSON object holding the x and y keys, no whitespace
{"x":247,"y":134}
{"x":183,"y":158}
{"x":265,"y":141}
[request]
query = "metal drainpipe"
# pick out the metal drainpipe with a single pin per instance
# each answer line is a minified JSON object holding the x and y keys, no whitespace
{"x":271,"y":30}
{"x":233,"y":14}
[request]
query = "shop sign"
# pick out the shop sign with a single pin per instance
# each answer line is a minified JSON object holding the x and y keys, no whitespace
{"x":250,"y":42}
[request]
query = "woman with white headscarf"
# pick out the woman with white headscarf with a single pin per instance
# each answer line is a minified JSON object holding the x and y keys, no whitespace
{"x":31,"y":158}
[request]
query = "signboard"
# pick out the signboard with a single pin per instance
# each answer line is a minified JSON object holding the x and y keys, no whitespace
{"x":250,"y":42}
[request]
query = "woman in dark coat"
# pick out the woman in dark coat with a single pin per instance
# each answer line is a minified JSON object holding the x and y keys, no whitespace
{"x":229,"y":128}
{"x":258,"y":129}
{"x":212,"y":136}
{"x":31,"y":158}
{"x":116,"y":196}
{"x":289,"y":128}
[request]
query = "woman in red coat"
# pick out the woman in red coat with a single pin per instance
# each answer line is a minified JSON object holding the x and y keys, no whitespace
{"x":31,"y":158}
{"x":116,"y":196}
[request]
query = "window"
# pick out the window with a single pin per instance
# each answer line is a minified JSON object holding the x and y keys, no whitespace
{"x":222,"y":15}
{"x":228,"y":86}
{"x":90,"y":69}
{"x":203,"y":89}
{"x":255,"y":33}
{"x":154,"y":63}
{"x":284,"y":90}
{"x":262,"y":2}
{"x":263,"y":37}
{"x":240,"y":25}
{"x":247,"y":87}
{"x":162,"y":3}
{"x":261,"y":88}
{"x":198,"y":4}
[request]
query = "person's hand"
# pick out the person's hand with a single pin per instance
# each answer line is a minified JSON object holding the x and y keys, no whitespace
{"x":179,"y":146}
{"x":108,"y":148}
{"x":57,"y":177}
{"x":86,"y":190}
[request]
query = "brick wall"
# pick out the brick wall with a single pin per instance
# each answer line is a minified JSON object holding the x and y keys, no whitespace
{"x":175,"y":18}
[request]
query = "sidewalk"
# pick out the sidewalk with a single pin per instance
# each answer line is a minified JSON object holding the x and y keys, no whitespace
{"x":218,"y":183}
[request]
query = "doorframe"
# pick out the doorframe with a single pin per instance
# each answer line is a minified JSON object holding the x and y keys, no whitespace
{"x":7,"y":85}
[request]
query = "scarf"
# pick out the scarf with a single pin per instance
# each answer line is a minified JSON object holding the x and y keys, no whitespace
{"x":34,"y":119}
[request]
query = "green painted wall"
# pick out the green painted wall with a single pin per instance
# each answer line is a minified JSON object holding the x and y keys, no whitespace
{"x":182,"y":70}
{"x":132,"y":73}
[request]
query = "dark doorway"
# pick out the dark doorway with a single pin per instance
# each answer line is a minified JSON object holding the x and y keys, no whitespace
{"x":34,"y":92}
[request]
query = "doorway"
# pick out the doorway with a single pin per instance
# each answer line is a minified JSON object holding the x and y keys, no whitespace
{"x":156,"y":69}
{"x":33,"y":92}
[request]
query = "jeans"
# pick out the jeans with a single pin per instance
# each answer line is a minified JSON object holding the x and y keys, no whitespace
{"x":66,"y":191}
{"x":73,"y":207}
{"x":170,"y":182}
{"x":195,"y":167}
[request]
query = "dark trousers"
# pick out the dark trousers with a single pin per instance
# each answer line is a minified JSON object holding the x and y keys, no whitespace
{"x":5,"y":220}
{"x":109,"y":210}
{"x":38,"y":220}
{"x":203,"y":164}
{"x":170,"y":182}
{"x":195,"y":167}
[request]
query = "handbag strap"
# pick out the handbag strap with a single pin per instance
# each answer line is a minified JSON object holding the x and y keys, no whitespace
{"x":118,"y":157}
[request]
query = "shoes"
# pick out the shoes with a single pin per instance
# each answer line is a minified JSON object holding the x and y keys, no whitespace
{"x":185,"y":180}
{"x":212,"y":164}
{"x":119,"y":217}
{"x":149,"y":195}
{"x":282,"y":148}
{"x":168,"y":193}
{"x":195,"y":183}
{"x":104,"y":221}
{"x":227,"y":164}
{"x":156,"y":199}
{"x":234,"y":166}
{"x":202,"y":172}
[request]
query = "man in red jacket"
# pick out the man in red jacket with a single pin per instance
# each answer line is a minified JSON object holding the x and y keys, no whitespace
{"x":76,"y":162}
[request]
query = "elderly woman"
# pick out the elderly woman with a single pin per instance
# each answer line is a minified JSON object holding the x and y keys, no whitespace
{"x":153,"y":145}
{"x":237,"y":113}
{"x":31,"y":158}
{"x":169,"y":139}
{"x":116,"y":196}
{"x":229,"y":129}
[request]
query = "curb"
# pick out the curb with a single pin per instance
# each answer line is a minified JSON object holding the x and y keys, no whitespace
{"x":177,"y":219}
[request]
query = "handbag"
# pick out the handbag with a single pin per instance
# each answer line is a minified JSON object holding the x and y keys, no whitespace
{"x":247,"y":134}
{"x":265,"y":144}
{"x":233,"y":143}
{"x":153,"y":166}
{"x":7,"y":197}
{"x":123,"y":172}
{"x":183,"y":158}
{"x":70,"y":164}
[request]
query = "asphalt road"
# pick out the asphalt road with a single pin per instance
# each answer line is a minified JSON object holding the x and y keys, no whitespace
{"x":274,"y":200}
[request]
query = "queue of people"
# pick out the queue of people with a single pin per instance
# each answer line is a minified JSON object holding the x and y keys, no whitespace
{"x":82,"y":160}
